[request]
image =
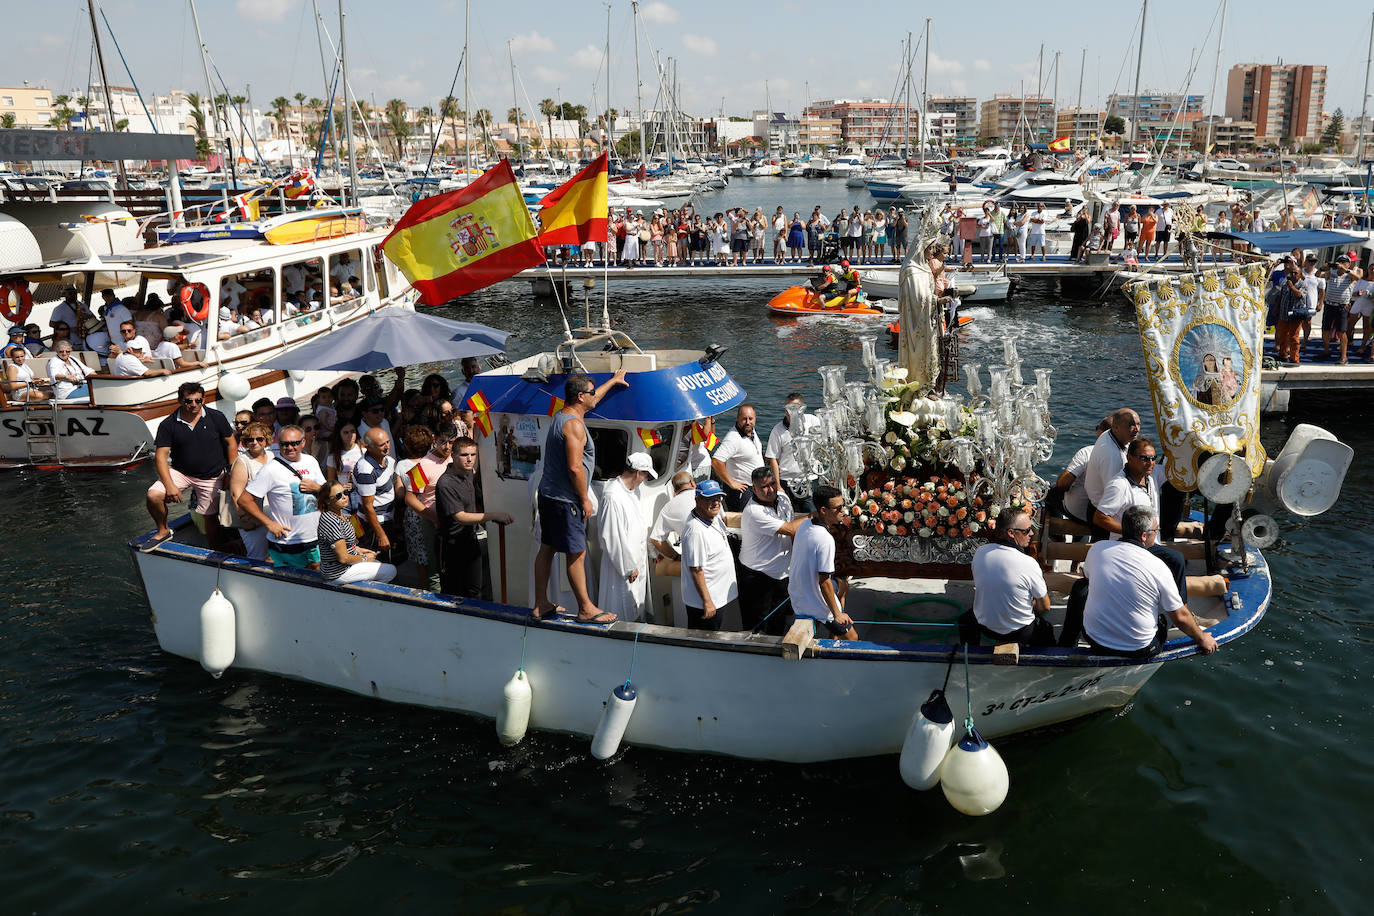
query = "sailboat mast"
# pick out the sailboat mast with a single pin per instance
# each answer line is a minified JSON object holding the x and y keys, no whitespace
{"x":1364,"y":103}
{"x":1039,"y":92}
{"x":1216,"y":68}
{"x":105,"y":88}
{"x":924,"y":131}
{"x":209,"y":87}
{"x":1139,"y":58}
{"x":348,"y":112}
{"x":514,"y":99}
{"x":610,"y":122}
{"x":1054,"y":99}
{"x":467,"y":91}
{"x":639,"y":99}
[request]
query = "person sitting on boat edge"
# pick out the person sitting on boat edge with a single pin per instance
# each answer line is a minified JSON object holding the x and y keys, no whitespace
{"x":194,"y":447}
{"x":342,"y":561}
{"x":289,"y":485}
{"x":1127,"y":597}
{"x":816,"y":593}
{"x":564,"y":500}
{"x":1010,"y":598}
{"x":1069,"y":498}
{"x":130,"y":364}
{"x":1107,"y":459}
{"x":708,"y":565}
{"x":20,"y":382}
{"x":173,"y":339}
{"x":1135,"y":486}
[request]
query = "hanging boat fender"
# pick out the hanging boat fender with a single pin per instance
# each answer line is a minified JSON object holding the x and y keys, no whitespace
{"x":614,"y":719}
{"x":216,"y":634}
{"x":928,"y":740}
{"x":513,"y":718}
{"x":233,"y":387}
{"x":974,"y":777}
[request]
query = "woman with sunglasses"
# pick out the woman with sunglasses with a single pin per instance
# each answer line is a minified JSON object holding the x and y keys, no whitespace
{"x":315,"y":447}
{"x":341,"y":559}
{"x":67,"y":372}
{"x":253,"y":456}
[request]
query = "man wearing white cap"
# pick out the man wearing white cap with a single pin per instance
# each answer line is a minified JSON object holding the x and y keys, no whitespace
{"x":624,"y":527}
{"x":173,"y":339}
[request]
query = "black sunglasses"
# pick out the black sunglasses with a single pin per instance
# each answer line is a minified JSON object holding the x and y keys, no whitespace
{"x":292,"y":444}
{"x":190,"y":402}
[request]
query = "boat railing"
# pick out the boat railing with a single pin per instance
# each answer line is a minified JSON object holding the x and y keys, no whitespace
{"x":609,"y":340}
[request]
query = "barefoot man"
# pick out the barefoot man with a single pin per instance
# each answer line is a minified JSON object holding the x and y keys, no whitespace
{"x":564,"y":502}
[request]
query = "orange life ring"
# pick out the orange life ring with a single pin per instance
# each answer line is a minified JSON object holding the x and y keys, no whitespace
{"x":17,"y":289}
{"x":187,"y":298}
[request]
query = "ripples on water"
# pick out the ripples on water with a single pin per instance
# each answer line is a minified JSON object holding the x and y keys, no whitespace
{"x":1234,"y":784}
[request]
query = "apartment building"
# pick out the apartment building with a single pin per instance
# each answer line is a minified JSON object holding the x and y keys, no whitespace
{"x":1284,"y":100}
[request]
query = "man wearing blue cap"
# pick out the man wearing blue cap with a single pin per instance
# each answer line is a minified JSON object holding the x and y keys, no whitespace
{"x":708,"y":566}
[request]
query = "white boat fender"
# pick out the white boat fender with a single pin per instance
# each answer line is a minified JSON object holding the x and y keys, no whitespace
{"x":974,"y":777}
{"x":614,"y":719}
{"x":216,"y":633}
{"x":233,"y":387}
{"x":928,"y":739}
{"x":513,"y":718}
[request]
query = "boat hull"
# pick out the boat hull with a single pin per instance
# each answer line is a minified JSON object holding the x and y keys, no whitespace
{"x":721,"y":693}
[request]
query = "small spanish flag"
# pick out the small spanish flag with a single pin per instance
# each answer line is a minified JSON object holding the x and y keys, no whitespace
{"x":649,"y":437}
{"x":483,"y":421}
{"x":699,"y":435}
{"x":1060,"y":145}
{"x":418,"y":480}
{"x":479,"y":403}
{"x":555,"y":404}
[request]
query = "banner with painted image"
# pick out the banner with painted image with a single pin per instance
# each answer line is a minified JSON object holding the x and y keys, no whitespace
{"x":1202,"y":336}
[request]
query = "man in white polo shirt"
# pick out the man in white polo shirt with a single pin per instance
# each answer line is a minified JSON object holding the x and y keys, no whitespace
{"x":1108,"y":458}
{"x":1127,"y":597}
{"x":766,"y":528}
{"x":736,"y":457}
{"x":1010,"y":597}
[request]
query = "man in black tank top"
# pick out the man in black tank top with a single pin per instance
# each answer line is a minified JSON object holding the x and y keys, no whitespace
{"x":564,"y":502}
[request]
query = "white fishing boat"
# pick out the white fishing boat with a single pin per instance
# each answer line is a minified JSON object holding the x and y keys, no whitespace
{"x":794,"y":698}
{"x":114,"y":424}
{"x":992,"y":286}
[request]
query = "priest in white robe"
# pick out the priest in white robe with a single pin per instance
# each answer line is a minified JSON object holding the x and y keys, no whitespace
{"x":624,"y":528}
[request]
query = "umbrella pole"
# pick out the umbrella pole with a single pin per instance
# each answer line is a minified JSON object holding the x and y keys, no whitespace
{"x":501,"y":548}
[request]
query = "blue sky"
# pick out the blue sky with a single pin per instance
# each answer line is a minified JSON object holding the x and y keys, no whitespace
{"x":724,"y":50}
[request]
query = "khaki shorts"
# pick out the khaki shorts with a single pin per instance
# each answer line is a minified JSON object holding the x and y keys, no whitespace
{"x":205,"y":491}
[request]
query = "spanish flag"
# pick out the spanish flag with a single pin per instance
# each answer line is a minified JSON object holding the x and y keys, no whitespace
{"x":699,"y":435}
{"x":575,"y":213}
{"x":649,"y":437}
{"x":478,"y":403}
{"x":1060,"y":145}
{"x":418,"y":480}
{"x":555,"y":404}
{"x":452,"y":244}
{"x":483,"y":421}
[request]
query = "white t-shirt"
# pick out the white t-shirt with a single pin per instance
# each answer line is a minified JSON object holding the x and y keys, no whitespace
{"x":127,"y":364}
{"x":343,"y":468}
{"x":780,"y":447}
{"x":1312,"y":286}
{"x":705,"y":546}
{"x":1128,"y":589}
{"x":1121,"y":495}
{"x":762,"y":548}
{"x":340,"y":272}
{"x":813,"y":553}
{"x":116,"y":313}
{"x":285,"y":503}
{"x":73,"y":367}
{"x":739,"y":454}
{"x":673,"y":516}
{"x":1007,"y":584}
{"x":167,"y":350}
{"x":378,"y":482}
{"x":1106,"y":461}
{"x":1076,"y":496}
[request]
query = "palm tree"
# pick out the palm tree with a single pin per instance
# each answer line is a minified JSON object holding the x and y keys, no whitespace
{"x":513,"y":115}
{"x":62,"y":112}
{"x":122,"y":125}
{"x":483,"y":121}
{"x":7,"y":120}
{"x":548,"y":108}
{"x":198,"y":118}
{"x":396,"y":111}
{"x":423,"y":118}
{"x":448,"y":107}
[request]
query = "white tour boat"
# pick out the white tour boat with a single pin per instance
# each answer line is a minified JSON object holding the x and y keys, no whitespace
{"x":115,"y":423}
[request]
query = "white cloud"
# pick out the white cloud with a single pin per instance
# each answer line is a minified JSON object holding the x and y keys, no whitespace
{"x":588,"y":58}
{"x":264,"y":10}
{"x":403,"y":86}
{"x":531,"y":41}
{"x":547,"y":74}
{"x":941,"y":66}
{"x":699,"y":44}
{"x":981,"y":66}
{"x":660,"y":12}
